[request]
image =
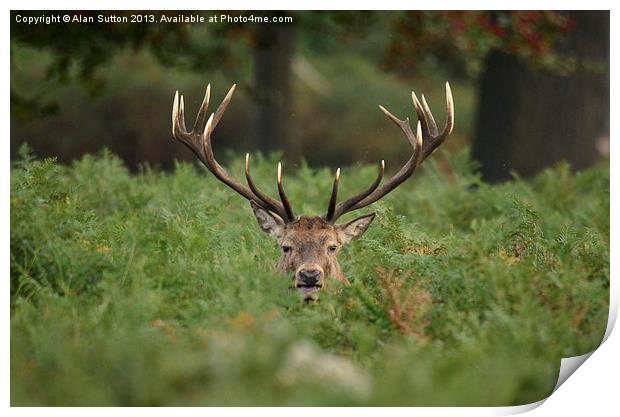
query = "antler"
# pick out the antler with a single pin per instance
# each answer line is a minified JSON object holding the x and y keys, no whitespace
{"x":198,"y":140}
{"x":424,"y":142}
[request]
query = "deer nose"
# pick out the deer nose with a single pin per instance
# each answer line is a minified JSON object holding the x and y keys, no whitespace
{"x":310,"y":276}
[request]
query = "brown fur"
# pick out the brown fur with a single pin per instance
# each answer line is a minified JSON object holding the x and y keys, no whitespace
{"x":310,"y":239}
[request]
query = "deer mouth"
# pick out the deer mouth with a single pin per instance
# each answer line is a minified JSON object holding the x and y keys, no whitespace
{"x":308,"y":288}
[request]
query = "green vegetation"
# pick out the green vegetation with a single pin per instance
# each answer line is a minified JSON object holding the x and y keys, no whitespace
{"x":158,"y":289}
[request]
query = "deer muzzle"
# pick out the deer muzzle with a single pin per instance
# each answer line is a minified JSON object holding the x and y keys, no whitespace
{"x":309,"y":278}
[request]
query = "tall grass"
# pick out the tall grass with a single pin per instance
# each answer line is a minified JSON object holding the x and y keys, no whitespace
{"x":159,"y":289}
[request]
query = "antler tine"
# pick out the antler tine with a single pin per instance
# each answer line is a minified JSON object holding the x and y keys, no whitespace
{"x":419,"y":110}
{"x":175,"y":112}
{"x":402,"y":124}
{"x":450,"y":110}
{"x":331,"y":207}
{"x":346,"y":205}
{"x":432,"y":138}
{"x":201,"y":118}
{"x":223,"y":105}
{"x":288,"y":210}
{"x":199,"y":142}
{"x":428,"y":117}
{"x":179,"y":131}
{"x":182,"y":114}
{"x":265,"y":199}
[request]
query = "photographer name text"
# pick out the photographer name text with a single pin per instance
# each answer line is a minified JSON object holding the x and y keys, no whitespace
{"x":186,"y":18}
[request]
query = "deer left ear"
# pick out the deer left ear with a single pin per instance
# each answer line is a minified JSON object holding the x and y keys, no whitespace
{"x":269,"y":223}
{"x":355,"y":228}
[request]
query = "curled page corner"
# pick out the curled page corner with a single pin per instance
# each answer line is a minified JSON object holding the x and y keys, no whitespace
{"x":568,"y":366}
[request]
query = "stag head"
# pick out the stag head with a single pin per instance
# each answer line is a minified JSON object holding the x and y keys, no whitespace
{"x":309,"y":244}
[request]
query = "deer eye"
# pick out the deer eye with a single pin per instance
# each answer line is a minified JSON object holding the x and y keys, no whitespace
{"x":286,"y":249}
{"x":332,"y":249}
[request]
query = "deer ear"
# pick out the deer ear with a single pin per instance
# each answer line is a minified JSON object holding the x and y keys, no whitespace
{"x":355,"y":228}
{"x":269,"y":223}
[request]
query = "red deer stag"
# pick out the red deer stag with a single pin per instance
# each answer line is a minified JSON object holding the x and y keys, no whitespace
{"x":310,"y":244}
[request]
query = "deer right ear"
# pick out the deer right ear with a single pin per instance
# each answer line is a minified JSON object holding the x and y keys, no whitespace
{"x":355,"y":228}
{"x":269,"y":223}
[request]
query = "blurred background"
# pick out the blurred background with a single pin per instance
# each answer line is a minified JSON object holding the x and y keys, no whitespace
{"x":531,"y":88}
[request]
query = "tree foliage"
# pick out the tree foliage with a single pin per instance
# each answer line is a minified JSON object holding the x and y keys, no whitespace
{"x":462,"y":39}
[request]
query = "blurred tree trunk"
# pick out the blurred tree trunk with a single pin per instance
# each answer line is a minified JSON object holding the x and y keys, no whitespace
{"x":529,"y":119}
{"x":273,"y":113}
